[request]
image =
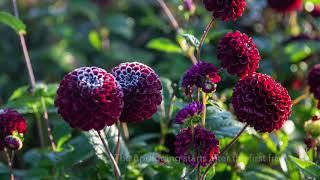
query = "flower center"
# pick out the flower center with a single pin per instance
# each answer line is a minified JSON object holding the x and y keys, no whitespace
{"x":90,"y":78}
{"x":128,"y":78}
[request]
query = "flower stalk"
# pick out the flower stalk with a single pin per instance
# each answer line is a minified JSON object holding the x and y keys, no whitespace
{"x":10,"y":162}
{"x":109,"y":154}
{"x":226,"y":148}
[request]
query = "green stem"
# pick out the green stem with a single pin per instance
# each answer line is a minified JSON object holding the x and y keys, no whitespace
{"x":10,"y":162}
{"x":226,"y":148}
{"x":109,"y":154}
{"x":49,"y":130}
{"x":203,"y":38}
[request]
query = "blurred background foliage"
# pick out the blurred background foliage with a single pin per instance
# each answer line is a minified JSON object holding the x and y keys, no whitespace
{"x":63,"y":35}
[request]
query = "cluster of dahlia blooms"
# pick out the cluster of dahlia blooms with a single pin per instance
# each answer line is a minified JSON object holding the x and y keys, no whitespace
{"x":197,"y":146}
{"x":314,"y":82}
{"x":12,"y":129}
{"x":285,"y":5}
{"x":202,"y":75}
{"x":91,"y":98}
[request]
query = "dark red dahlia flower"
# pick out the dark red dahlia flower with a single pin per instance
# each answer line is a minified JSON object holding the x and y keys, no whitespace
{"x":238,"y":54}
{"x":261,"y":102}
{"x":285,"y":5}
{"x":202,"y":150}
{"x":89,"y":98}
{"x":202,"y":75}
{"x":314,"y":81}
{"x":189,"y":111}
{"x":316,"y":11}
{"x":225,"y":9}
{"x":11,"y":122}
{"x":142,"y":91}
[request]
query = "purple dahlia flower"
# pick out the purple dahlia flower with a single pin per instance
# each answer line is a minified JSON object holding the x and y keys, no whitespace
{"x":202,"y":75}
{"x":189,"y":111}
{"x":142,"y":91}
{"x":202,"y":150}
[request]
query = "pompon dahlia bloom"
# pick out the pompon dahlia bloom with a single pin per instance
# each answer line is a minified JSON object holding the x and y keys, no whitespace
{"x":89,"y":98}
{"x":142,"y":91}
{"x":238,"y":54}
{"x":285,"y":5}
{"x":203,"y":150}
{"x":314,"y":81}
{"x":225,"y":9}
{"x":189,"y":111}
{"x":202,"y":75}
{"x":11,"y":123}
{"x":261,"y":102}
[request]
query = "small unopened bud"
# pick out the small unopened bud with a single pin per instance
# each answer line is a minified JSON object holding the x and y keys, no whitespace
{"x":189,"y":6}
{"x":13,"y":142}
{"x":312,"y":127}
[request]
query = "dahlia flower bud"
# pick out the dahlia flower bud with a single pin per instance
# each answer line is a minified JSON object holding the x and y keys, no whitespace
{"x":314,"y":81}
{"x":189,"y":6}
{"x":11,"y":122}
{"x":190,"y":111}
{"x":13,"y":142}
{"x":202,"y":75}
{"x":238,"y":54}
{"x":89,"y":98}
{"x":313,"y":127}
{"x":202,"y":150}
{"x":142,"y":91}
{"x":261,"y":102}
{"x":225,"y":9}
{"x":310,"y":142}
{"x":285,"y":5}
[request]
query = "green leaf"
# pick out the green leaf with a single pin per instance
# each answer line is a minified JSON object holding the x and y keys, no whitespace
{"x":298,"y":51}
{"x":95,"y":40}
{"x":12,"y":22}
{"x":191,"y":39}
{"x":277,"y":142}
{"x":62,"y":141}
{"x":222,"y":122}
{"x":26,"y":102}
{"x":121,"y":25}
{"x":308,"y":168}
{"x":164,"y":45}
{"x":263,"y":173}
{"x":110,"y":135}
